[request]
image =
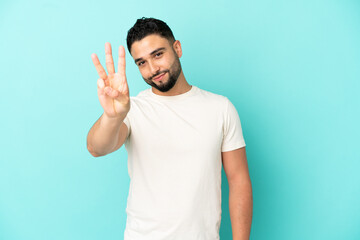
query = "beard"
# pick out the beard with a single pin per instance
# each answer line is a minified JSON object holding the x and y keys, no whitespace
{"x":174,"y":73}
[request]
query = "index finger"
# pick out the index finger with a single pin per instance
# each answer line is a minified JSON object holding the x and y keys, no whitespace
{"x":121,"y":61}
{"x":99,"y":68}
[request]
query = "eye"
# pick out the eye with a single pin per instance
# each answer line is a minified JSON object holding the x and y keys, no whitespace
{"x":158,"y":54}
{"x":141,"y":63}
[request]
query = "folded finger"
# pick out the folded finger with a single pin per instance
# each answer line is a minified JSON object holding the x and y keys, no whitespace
{"x":100,"y":83}
{"x":111,"y":92}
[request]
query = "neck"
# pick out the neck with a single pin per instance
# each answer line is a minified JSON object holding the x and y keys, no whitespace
{"x":181,"y":86}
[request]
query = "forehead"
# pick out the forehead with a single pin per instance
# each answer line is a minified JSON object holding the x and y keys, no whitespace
{"x":148,"y":44}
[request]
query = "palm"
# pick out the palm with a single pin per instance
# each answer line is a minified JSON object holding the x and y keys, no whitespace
{"x":113,"y":90}
{"x":114,"y":106}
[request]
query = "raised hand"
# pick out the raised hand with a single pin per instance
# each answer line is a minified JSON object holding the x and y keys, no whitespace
{"x":113,"y":90}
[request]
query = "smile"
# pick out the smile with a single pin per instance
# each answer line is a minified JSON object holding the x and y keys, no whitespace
{"x":158,"y":78}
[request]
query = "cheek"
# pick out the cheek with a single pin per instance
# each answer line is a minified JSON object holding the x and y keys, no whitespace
{"x":165,"y":64}
{"x":144,"y":73}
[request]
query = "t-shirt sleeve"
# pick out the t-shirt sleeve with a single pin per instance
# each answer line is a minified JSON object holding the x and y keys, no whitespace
{"x":127,"y":119}
{"x":232,"y":131}
{"x":127,"y":123}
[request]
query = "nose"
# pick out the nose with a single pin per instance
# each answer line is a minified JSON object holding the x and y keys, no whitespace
{"x":154,"y":69}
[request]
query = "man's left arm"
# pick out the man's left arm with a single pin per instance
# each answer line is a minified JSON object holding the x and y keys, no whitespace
{"x":240,"y":192}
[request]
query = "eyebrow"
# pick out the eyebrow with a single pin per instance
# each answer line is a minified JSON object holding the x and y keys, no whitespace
{"x":155,"y":51}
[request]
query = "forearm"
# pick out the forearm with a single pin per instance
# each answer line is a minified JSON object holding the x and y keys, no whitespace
{"x":240,"y":206}
{"x":103,"y":137}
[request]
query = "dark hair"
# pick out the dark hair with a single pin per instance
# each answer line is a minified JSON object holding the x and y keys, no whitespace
{"x":146,"y":26}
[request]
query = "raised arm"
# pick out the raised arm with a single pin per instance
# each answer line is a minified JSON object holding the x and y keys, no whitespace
{"x":109,"y":132}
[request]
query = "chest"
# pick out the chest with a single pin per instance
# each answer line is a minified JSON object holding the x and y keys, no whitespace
{"x":177,"y":129}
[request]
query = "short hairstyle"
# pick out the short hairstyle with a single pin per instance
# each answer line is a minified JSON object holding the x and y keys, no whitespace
{"x":146,"y":26}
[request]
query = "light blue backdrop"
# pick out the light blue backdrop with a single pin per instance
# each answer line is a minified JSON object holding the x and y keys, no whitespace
{"x":291,"y":68}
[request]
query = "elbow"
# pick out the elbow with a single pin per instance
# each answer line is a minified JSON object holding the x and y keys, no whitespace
{"x":92,"y":152}
{"x":95,"y":154}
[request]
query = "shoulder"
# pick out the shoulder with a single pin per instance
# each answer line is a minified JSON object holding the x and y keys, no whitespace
{"x":140,"y":97}
{"x":220,"y":103}
{"x":144,"y":93}
{"x":214,"y":97}
{"x":137,"y":103}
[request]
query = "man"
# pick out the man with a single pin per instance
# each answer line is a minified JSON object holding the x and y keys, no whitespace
{"x":177,"y":137}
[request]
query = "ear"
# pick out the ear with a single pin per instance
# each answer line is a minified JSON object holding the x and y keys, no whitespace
{"x":177,"y":48}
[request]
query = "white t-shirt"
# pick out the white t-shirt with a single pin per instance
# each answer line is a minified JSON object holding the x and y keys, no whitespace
{"x":174,"y":162}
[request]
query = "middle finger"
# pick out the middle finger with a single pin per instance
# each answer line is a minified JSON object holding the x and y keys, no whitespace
{"x":109,"y":59}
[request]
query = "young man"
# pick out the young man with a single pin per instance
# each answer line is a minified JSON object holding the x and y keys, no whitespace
{"x":177,"y":137}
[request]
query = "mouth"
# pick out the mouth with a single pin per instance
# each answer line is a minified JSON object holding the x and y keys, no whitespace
{"x":159,"y":77}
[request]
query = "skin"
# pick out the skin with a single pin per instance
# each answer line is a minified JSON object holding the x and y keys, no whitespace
{"x":240,"y":192}
{"x":151,"y":62}
{"x":155,"y":55}
{"x":109,"y":132}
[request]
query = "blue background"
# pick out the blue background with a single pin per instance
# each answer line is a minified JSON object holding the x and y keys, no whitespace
{"x":291,"y":68}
